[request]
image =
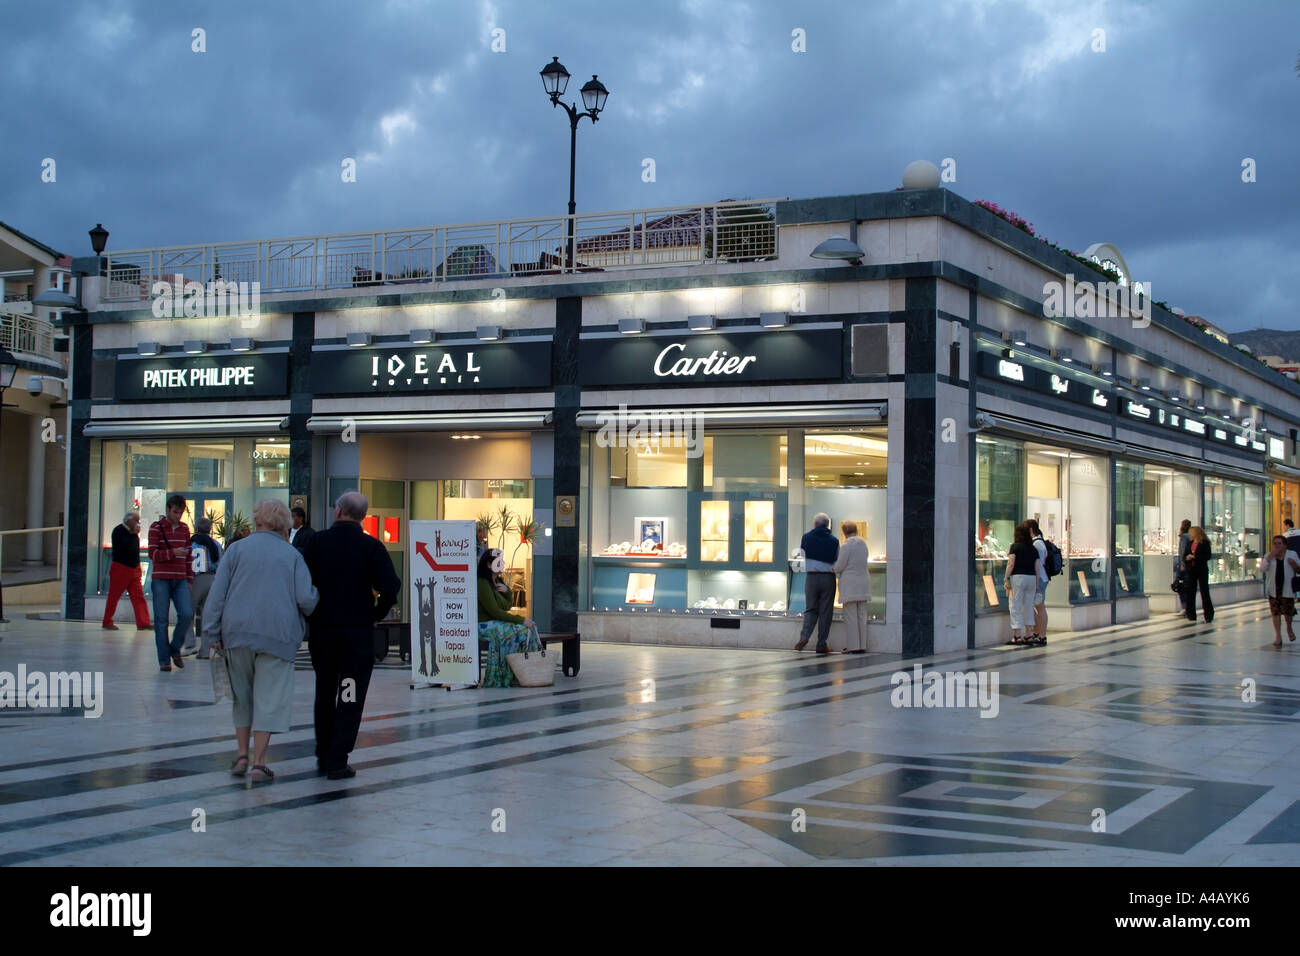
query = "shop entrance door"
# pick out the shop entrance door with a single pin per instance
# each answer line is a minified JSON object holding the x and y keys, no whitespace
{"x":209,"y":504}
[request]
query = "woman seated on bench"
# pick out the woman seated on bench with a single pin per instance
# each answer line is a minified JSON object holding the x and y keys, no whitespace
{"x":505,"y":633}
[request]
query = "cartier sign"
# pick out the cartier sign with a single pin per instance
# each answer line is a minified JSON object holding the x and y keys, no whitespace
{"x":723,"y":358}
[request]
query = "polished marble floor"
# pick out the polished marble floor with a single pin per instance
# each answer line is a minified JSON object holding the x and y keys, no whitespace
{"x":1128,"y":746}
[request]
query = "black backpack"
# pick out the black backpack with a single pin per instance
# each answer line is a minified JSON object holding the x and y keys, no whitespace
{"x":1055,"y":562}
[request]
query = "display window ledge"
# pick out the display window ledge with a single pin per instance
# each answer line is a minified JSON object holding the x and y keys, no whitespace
{"x":693,"y":612}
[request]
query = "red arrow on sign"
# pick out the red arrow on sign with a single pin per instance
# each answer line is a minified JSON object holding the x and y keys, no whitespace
{"x":422,"y":549}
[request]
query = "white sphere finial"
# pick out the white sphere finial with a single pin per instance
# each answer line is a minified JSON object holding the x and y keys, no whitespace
{"x":921,"y":174}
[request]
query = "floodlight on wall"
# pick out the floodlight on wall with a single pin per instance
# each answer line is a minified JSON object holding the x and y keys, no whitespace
{"x":1020,"y":337}
{"x":837,"y":247}
{"x":701,"y":323}
{"x":358,"y":339}
{"x":1063,"y":355}
{"x":631,"y":326}
{"x":774,"y":320}
{"x":1200,"y":408}
{"x":195,"y":347}
{"x":1105,"y":370}
{"x":53,"y":298}
{"x":241,"y":345}
{"x":488,"y":333}
{"x":147,"y":348}
{"x":1144,"y":384}
{"x":423,"y":336}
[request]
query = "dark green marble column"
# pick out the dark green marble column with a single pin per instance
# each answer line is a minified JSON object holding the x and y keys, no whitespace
{"x":304,"y":334}
{"x":75,"y":529}
{"x":919,"y":436}
{"x":568,"y":461}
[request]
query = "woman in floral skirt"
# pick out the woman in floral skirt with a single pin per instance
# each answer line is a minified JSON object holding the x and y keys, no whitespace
{"x":504,"y":632}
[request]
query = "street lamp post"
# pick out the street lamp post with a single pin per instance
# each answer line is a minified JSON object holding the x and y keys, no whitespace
{"x":555,"y":79}
{"x":8,"y":368}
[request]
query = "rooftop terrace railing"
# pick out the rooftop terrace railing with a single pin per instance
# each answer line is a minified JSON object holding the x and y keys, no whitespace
{"x":732,"y":231}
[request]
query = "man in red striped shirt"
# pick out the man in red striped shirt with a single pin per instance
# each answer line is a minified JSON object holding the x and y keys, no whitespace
{"x":173,"y":573}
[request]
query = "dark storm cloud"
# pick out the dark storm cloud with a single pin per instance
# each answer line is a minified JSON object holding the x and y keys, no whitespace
{"x":1140,"y":145}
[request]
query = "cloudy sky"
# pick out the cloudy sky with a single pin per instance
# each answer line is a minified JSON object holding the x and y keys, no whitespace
{"x":1141,"y":144}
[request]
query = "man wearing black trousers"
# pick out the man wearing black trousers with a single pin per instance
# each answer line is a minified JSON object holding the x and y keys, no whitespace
{"x":348,"y":568}
{"x":820,"y":548}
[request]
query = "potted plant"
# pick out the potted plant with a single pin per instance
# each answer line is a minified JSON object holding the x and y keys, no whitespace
{"x":229,"y":527}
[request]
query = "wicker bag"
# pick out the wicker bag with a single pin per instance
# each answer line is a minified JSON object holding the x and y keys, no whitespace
{"x":532,"y":668}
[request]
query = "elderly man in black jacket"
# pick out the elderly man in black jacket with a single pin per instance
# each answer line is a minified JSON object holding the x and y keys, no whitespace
{"x":820,"y":548}
{"x":348,"y":567}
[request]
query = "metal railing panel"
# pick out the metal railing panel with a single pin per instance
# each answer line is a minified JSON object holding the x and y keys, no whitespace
{"x":732,"y":231}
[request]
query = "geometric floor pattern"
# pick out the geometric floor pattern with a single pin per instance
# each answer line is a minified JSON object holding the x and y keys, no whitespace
{"x":1155,"y":743}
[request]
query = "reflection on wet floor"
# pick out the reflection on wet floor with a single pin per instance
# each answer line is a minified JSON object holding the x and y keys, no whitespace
{"x":680,"y":755}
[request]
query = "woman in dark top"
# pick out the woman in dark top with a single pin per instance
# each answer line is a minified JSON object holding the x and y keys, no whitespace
{"x":505,"y":633}
{"x":1023,"y":569}
{"x":1198,"y":574}
{"x":1180,"y":562}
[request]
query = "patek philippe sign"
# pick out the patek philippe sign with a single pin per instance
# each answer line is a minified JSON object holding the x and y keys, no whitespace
{"x":239,"y":375}
{"x":1042,"y":381}
{"x":726,"y":358}
{"x":431,"y":368}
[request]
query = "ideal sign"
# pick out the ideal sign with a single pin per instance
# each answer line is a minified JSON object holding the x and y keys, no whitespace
{"x":450,"y":368}
{"x":443,"y":589}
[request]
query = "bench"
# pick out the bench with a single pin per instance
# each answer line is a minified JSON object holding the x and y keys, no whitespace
{"x":571,"y":655}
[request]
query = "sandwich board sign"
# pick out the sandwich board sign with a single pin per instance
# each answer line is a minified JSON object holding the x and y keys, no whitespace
{"x":443,"y":593}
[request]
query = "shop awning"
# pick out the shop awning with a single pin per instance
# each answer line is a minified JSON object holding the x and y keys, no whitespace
{"x":183,"y":427}
{"x":1012,"y":426}
{"x":328,"y":424}
{"x":1283,"y":471}
{"x":1019,"y":429}
{"x":794,"y":415}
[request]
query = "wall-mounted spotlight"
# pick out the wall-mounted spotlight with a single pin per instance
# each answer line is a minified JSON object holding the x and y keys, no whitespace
{"x":837,"y":247}
{"x":774,"y":320}
{"x":358,"y":339}
{"x":1018,"y":337}
{"x":488,"y":333}
{"x":423,"y":336}
{"x":195,"y":347}
{"x":147,"y":348}
{"x":631,"y":326}
{"x":1144,"y":384}
{"x":1105,"y":369}
{"x":701,"y":323}
{"x":1063,"y":355}
{"x":241,"y":345}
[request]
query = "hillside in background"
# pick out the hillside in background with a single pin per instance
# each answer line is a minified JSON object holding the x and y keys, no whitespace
{"x":1270,"y":342}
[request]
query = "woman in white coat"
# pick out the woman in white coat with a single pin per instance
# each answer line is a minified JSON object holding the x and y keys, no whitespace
{"x":855,"y":588}
{"x":1279,"y":570}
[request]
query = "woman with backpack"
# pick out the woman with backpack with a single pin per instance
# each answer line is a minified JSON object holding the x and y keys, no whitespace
{"x":1040,"y":594}
{"x":1198,"y":573}
{"x":1023,"y":569}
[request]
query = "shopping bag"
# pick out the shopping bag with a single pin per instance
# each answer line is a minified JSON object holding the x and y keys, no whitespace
{"x":220,"y":676}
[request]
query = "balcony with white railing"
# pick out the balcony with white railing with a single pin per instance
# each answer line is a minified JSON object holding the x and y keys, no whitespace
{"x":27,"y":333}
{"x":732,"y":231}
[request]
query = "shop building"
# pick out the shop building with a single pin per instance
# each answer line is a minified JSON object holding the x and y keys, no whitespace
{"x":673,"y":410}
{"x":33,"y":422}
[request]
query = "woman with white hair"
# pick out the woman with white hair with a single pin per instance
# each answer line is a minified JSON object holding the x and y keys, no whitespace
{"x":256,"y":611}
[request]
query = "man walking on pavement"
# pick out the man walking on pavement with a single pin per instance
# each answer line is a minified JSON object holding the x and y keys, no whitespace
{"x":124,"y":574}
{"x":173,"y":573}
{"x":348,"y":567}
{"x":820,"y":548}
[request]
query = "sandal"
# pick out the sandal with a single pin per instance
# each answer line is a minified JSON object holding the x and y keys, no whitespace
{"x":262,"y":772}
{"x":235,"y":769}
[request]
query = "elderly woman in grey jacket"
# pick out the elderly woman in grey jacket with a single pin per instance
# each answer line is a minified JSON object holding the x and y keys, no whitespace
{"x":855,"y":587}
{"x":256,"y":611}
